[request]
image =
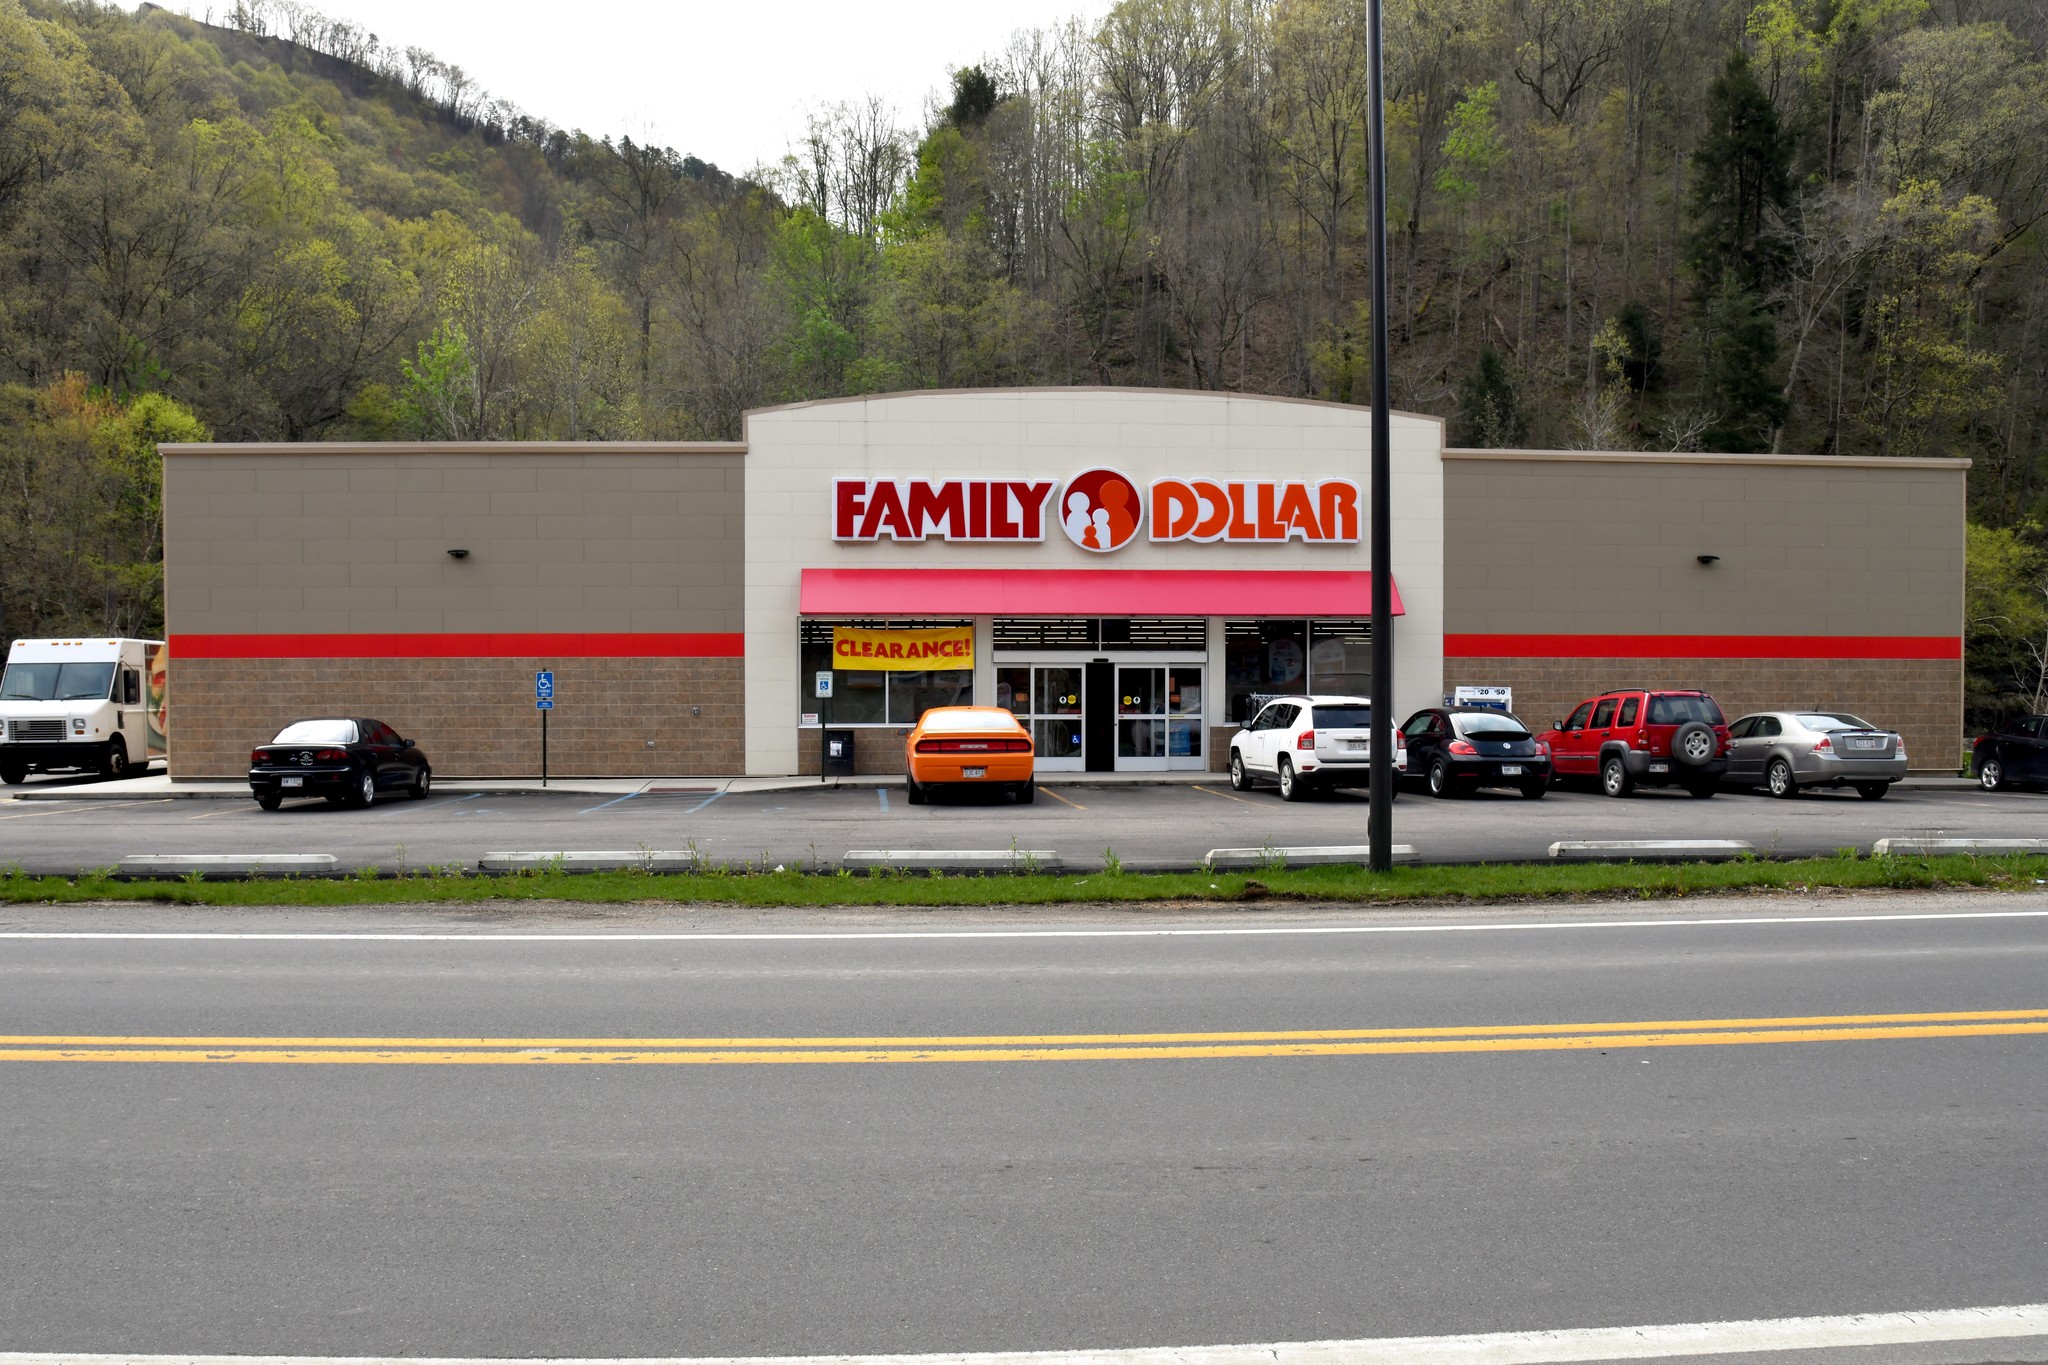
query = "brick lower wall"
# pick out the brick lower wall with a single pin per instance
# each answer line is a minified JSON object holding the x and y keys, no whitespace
{"x":473,"y":717}
{"x":1920,"y":698}
{"x":877,"y":750}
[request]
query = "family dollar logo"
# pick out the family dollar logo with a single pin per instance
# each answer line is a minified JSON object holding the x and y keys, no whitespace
{"x":1100,"y":510}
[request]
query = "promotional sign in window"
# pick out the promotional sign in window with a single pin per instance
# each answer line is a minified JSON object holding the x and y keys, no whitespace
{"x":1099,"y":509}
{"x":856,"y":647}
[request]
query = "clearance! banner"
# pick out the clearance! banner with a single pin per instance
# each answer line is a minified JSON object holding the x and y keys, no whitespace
{"x":904,"y":650}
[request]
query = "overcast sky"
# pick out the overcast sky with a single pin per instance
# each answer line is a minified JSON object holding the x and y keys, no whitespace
{"x":728,"y":81}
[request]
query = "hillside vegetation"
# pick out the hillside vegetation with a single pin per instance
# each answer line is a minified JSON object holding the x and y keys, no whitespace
{"x":1796,"y":225}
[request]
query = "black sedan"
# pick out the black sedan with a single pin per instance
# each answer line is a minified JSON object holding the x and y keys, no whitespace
{"x":1457,"y":749}
{"x":347,"y":760}
{"x":2014,"y":753}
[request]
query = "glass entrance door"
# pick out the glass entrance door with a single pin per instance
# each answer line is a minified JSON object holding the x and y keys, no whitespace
{"x":1048,"y":699}
{"x":1141,"y":696}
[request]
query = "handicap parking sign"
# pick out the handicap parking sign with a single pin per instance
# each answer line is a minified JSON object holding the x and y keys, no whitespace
{"x":544,"y":689}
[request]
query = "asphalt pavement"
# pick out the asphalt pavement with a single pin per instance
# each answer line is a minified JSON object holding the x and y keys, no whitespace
{"x":549,"y":1131}
{"x":1166,"y":825}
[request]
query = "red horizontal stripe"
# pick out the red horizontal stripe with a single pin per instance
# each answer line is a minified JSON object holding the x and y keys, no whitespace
{"x":495,"y":645}
{"x":1702,"y":647}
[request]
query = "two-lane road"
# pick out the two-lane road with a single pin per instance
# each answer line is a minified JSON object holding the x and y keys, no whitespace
{"x":631,"y":1132}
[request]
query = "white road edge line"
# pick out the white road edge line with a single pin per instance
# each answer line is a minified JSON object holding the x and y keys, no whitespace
{"x":1261,"y":931}
{"x":1487,"y":1348}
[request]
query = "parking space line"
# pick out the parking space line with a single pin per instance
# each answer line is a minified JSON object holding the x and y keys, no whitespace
{"x":1225,"y":795}
{"x":702,"y":804}
{"x":96,"y":805}
{"x":226,"y":808}
{"x":613,"y":802}
{"x":1057,"y":797}
{"x":882,"y":795}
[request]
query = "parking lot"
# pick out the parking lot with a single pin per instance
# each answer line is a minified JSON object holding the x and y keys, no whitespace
{"x":1145,"y":825}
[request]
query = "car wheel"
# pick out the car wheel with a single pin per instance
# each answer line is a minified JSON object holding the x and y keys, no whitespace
{"x":1614,"y":778}
{"x":365,"y":790}
{"x":1991,"y":774}
{"x":1238,"y":778}
{"x":1440,"y":779}
{"x":912,"y":792}
{"x":1693,"y":744}
{"x":418,"y":790}
{"x":14,"y":773}
{"x":1292,"y":786}
{"x":1778,"y":778}
{"x":114,"y":764}
{"x":270,"y":801}
{"x":1027,"y":793}
{"x":1700,"y":791}
{"x":1872,"y":791}
{"x":1536,"y":791}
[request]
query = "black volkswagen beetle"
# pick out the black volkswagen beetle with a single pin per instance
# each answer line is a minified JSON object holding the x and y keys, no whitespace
{"x":1455,"y":749}
{"x":348,"y":760}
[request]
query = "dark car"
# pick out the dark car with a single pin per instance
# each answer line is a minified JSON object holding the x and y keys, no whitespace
{"x":1458,"y":749}
{"x":2014,"y":753}
{"x":348,"y":760}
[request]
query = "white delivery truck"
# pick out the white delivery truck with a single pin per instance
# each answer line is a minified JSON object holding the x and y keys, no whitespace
{"x":82,"y":706}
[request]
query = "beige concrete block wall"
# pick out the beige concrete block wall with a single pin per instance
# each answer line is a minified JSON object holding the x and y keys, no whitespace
{"x":563,"y":537}
{"x":472,"y":717}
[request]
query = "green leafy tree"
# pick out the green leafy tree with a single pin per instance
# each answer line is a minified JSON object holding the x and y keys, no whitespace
{"x":1489,"y":407}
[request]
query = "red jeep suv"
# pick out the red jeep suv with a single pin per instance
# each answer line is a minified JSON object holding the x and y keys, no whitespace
{"x":1634,"y":737}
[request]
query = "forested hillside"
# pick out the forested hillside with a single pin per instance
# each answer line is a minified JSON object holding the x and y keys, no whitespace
{"x":1796,"y":225}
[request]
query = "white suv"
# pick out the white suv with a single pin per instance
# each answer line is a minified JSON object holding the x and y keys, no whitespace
{"x":1309,"y":744}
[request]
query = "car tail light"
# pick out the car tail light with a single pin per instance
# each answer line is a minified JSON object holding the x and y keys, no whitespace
{"x":1823,"y":745}
{"x":973,"y":746}
{"x":331,"y":756}
{"x":1542,"y":748}
{"x":257,"y":756}
{"x":1307,"y":740}
{"x":1461,"y":748}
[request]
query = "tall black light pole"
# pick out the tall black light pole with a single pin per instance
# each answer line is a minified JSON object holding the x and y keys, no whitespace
{"x":1380,"y":816}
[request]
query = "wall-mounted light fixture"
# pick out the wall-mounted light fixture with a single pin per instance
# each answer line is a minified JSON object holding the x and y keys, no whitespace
{"x":1704,"y":559}
{"x":458,"y":554}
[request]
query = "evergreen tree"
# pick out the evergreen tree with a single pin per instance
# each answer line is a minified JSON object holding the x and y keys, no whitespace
{"x":1740,"y":175}
{"x":1489,"y":413}
{"x":1740,"y":383}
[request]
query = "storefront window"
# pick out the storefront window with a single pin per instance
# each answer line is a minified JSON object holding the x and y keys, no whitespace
{"x":874,"y":697}
{"x":1267,"y":657}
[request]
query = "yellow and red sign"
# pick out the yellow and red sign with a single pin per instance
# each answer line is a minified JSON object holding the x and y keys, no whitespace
{"x":903,"y":650}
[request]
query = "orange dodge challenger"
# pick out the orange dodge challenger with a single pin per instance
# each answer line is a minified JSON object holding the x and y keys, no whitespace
{"x":968,"y":746}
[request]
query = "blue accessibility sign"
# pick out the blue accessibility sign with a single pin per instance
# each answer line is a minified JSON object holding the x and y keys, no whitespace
{"x":544,"y":690}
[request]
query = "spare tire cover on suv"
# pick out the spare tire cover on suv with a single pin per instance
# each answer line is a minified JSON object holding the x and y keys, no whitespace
{"x":1693,"y":743}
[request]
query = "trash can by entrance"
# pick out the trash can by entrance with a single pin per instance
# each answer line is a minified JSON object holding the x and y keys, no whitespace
{"x":838,"y":753}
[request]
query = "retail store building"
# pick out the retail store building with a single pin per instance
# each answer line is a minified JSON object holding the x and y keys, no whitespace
{"x":1125,"y":568}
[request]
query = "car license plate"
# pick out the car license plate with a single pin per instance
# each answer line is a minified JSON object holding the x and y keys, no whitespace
{"x":1660,"y":767}
{"x":292,"y":781}
{"x":1866,"y":743}
{"x":1355,"y":744}
{"x":974,"y":772}
{"x":1510,"y":770}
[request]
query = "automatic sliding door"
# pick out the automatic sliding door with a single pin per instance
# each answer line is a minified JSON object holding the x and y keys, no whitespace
{"x":1140,"y":717}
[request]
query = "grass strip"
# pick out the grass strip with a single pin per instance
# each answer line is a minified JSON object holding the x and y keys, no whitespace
{"x":1448,"y":885}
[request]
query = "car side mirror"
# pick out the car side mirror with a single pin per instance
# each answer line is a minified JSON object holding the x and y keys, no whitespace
{"x":405,"y":744}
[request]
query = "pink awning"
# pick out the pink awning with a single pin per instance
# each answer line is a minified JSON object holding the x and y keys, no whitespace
{"x":1088,"y":592}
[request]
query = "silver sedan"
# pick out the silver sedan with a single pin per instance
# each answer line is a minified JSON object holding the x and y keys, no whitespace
{"x":1787,"y":751}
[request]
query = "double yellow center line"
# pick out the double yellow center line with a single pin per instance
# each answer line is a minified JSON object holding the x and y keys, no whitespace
{"x":1052,"y":1047}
